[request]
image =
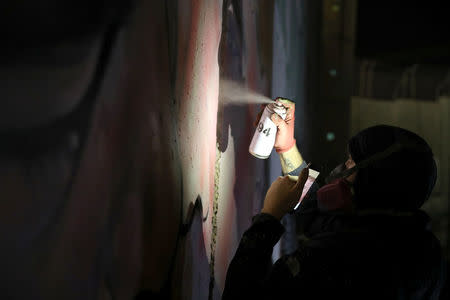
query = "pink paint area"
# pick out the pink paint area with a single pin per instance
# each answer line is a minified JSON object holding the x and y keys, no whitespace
{"x":197,"y":89}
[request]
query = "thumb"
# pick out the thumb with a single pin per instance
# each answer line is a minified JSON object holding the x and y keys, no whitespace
{"x":300,"y":184}
{"x":278,"y":121}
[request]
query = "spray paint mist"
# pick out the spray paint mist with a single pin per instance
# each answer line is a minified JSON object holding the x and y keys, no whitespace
{"x":231,"y":92}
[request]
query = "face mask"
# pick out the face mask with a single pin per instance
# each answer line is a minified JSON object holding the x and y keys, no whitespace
{"x":335,"y":173}
{"x":336,"y":195}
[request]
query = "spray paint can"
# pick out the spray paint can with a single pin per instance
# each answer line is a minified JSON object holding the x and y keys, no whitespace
{"x":264,"y":137}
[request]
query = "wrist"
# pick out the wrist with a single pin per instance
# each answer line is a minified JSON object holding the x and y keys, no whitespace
{"x":290,"y":160}
{"x":276,"y":215}
{"x":286,"y":148}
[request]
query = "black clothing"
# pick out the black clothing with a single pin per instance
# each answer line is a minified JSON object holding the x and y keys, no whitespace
{"x":403,"y":180}
{"x":366,"y":255}
{"x":384,"y":249}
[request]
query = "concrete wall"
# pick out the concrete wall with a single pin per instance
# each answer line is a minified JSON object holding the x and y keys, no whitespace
{"x":204,"y":186}
{"x":223,"y":186}
{"x":233,"y":181}
{"x":157,"y":193}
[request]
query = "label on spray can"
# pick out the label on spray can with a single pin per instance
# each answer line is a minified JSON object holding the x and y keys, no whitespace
{"x":266,"y":131}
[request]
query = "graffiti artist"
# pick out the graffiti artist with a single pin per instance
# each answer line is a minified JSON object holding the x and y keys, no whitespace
{"x":363,"y":235}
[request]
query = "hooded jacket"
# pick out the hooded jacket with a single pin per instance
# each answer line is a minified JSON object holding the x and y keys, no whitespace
{"x":384,"y":249}
{"x":366,"y":256}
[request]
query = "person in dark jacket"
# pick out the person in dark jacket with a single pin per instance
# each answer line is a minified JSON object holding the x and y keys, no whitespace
{"x":362,"y":236}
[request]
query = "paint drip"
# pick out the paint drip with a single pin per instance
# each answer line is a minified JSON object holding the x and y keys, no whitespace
{"x":231,"y":92}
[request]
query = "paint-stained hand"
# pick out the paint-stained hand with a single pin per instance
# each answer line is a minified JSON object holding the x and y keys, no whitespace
{"x":284,"y":194}
{"x":285,"y":134}
{"x":284,"y":140}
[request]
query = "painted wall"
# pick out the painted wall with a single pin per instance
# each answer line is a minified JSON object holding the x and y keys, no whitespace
{"x":234,"y":181}
{"x":156,"y":194}
{"x":150,"y":189}
{"x":204,"y":186}
{"x":267,"y":59}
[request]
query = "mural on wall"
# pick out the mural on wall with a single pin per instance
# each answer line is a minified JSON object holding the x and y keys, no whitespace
{"x":288,"y":73}
{"x":152,"y":187}
{"x":225,"y":185}
{"x":196,"y":93}
{"x":233,"y":190}
{"x":164,"y":186}
{"x":227,"y":181}
{"x":242,"y":178}
{"x":146,"y":78}
{"x":96,"y":193}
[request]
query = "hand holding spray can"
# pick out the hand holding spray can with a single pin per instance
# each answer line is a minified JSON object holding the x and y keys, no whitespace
{"x":266,"y":132}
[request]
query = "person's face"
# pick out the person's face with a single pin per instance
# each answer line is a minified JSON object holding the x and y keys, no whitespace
{"x":350,"y":164}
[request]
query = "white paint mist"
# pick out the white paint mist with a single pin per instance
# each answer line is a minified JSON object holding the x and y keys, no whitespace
{"x":231,"y":92}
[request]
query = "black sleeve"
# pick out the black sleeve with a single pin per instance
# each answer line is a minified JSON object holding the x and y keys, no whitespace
{"x":286,"y":280}
{"x":251,"y":265}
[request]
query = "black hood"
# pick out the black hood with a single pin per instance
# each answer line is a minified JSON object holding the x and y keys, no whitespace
{"x":401,"y":181}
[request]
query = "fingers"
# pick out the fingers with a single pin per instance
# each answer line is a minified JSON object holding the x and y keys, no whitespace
{"x":290,"y":105}
{"x":300,"y":184}
{"x":286,"y":182}
{"x":290,"y":181}
{"x":278,"y":121}
{"x":290,"y":109}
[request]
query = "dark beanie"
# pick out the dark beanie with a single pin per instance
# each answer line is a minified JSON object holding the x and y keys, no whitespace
{"x":401,"y":181}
